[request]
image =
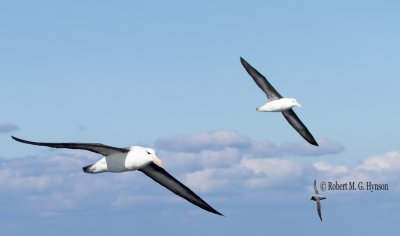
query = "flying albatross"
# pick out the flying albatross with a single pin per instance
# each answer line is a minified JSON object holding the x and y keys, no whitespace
{"x":316,"y":197}
{"x":129,"y":159}
{"x":277,"y":103}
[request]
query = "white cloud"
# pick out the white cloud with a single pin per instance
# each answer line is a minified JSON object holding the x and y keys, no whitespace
{"x":330,"y":170}
{"x":206,"y":158}
{"x":223,"y":139}
{"x":389,"y":161}
{"x":15,"y":180}
{"x":205,"y":180}
{"x":248,"y":173}
{"x":272,"y":167}
{"x":270,"y":171}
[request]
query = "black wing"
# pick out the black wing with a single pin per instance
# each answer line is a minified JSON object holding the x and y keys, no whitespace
{"x":319,"y":209}
{"x":261,"y":81}
{"x":295,"y":122}
{"x":162,"y":177}
{"x":315,"y":187}
{"x":93,"y":147}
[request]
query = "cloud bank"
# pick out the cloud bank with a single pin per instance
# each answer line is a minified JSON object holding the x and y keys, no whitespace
{"x":218,"y":163}
{"x":223,"y":139}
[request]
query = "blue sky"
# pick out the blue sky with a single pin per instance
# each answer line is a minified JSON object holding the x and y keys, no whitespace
{"x":167,"y":75}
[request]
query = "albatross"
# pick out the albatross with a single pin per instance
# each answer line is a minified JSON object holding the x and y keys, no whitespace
{"x":117,"y":160}
{"x":316,"y":197}
{"x":277,"y":103}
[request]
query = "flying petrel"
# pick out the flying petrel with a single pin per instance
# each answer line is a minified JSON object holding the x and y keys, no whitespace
{"x":316,"y":197}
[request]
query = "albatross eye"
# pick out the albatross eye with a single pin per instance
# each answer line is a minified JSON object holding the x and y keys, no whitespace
{"x":148,"y":152}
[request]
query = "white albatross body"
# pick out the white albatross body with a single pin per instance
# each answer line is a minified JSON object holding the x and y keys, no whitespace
{"x":136,"y":158}
{"x":279,"y":105}
{"x":143,"y":159}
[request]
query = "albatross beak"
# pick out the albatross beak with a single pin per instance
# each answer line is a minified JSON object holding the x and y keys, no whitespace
{"x":156,"y":160}
{"x":298,"y":104}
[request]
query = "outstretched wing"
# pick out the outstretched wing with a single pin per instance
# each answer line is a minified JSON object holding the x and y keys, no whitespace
{"x":93,"y":147}
{"x":315,"y":187}
{"x":261,"y":81}
{"x":319,"y":209}
{"x":162,"y":177}
{"x":295,"y":122}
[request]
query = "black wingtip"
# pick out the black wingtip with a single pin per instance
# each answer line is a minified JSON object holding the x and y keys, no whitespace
{"x":314,"y":143}
{"x":22,"y":141}
{"x":247,"y":66}
{"x":310,"y":139}
{"x":210,"y":209}
{"x":216,"y":212}
{"x":243,"y":61}
{"x":17,"y":139}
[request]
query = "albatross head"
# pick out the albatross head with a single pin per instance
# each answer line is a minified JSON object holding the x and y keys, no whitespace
{"x":295,"y":103}
{"x":152,"y":153}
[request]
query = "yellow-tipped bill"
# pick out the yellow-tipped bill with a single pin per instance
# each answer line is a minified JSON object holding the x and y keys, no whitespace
{"x":156,"y":160}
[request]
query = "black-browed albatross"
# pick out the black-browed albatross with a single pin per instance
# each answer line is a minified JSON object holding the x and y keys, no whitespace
{"x":277,"y":103}
{"x":129,"y":159}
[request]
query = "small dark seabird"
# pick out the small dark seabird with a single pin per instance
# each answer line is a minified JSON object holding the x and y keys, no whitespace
{"x":316,"y":197}
{"x":129,"y":159}
{"x":277,"y":103}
